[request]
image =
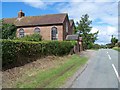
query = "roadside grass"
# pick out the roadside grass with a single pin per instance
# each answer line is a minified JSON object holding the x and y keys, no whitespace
{"x":116,"y":48}
{"x":94,"y":49}
{"x":54,"y":77}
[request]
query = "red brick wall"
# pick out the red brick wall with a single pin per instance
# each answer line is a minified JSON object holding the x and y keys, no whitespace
{"x":64,"y":27}
{"x":45,"y":31}
{"x":70,"y":29}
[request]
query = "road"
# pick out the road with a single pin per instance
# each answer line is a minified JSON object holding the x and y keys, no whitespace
{"x":101,"y":72}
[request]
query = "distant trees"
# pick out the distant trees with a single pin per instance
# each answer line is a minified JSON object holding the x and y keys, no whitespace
{"x":84,"y":28}
{"x":114,"y":42}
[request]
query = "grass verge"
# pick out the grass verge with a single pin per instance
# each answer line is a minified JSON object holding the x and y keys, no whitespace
{"x":96,"y":49}
{"x":54,"y":77}
{"x":116,"y":48}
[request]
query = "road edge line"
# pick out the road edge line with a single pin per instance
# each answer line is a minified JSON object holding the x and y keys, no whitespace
{"x":116,"y":72}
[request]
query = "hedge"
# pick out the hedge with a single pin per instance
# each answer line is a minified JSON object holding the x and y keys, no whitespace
{"x":16,"y":51}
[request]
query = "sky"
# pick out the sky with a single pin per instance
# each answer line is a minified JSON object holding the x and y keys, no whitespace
{"x":103,"y":13}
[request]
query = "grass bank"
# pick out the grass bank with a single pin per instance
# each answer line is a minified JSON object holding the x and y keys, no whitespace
{"x":53,"y":77}
{"x":94,"y":49}
{"x":116,"y":48}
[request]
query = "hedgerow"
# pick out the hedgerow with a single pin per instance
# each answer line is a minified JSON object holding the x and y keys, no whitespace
{"x":13,"y":51}
{"x":33,"y":37}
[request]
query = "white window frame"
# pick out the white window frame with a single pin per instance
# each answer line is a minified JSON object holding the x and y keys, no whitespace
{"x":21,"y":32}
{"x":37,"y":32}
{"x":52,"y":32}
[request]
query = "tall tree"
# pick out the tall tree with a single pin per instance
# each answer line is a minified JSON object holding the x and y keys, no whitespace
{"x":8,"y":31}
{"x":114,"y":40}
{"x":84,"y":27}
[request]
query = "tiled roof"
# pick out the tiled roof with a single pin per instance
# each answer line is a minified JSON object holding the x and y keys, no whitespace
{"x":37,"y":20}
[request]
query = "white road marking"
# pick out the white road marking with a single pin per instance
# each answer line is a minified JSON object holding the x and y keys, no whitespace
{"x":109,"y":56}
{"x":116,"y":72}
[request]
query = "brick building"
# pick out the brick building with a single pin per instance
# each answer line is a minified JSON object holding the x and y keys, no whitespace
{"x":50,"y":27}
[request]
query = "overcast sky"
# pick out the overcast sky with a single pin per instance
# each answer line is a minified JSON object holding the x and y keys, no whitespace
{"x":103,"y":13}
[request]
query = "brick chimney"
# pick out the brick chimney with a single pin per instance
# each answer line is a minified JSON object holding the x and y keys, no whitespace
{"x":21,"y":14}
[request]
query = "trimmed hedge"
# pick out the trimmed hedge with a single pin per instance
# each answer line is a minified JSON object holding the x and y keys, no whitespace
{"x":13,"y":51}
{"x":33,"y":37}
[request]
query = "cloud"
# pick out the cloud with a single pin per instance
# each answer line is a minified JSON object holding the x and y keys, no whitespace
{"x":93,"y":0}
{"x":61,"y":0}
{"x":94,"y":30}
{"x":105,"y":33}
{"x":103,"y":14}
{"x":107,"y":12}
{"x":38,"y":3}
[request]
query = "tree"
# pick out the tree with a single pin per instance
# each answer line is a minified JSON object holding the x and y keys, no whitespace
{"x":83,"y":26}
{"x":114,"y":40}
{"x":8,"y":31}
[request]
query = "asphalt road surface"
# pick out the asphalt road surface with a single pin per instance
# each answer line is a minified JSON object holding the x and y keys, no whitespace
{"x":101,"y":72}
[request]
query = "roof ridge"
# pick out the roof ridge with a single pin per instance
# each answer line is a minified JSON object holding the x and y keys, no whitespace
{"x":39,"y":15}
{"x":48,"y":14}
{"x":10,"y":18}
{"x":41,"y":19}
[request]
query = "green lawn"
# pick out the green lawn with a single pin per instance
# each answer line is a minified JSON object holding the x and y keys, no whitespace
{"x":117,"y":48}
{"x":54,"y":77}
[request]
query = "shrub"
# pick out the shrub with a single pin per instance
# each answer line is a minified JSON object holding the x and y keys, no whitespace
{"x":33,"y":37}
{"x":96,"y":46}
{"x":118,"y":44}
{"x":8,"y":31}
{"x":13,"y":51}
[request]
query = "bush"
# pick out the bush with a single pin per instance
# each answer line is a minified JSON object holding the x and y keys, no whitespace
{"x":96,"y":46}
{"x":116,"y":48}
{"x":110,"y":45}
{"x":8,"y":31}
{"x":13,"y":51}
{"x":118,"y":44}
{"x":33,"y":37}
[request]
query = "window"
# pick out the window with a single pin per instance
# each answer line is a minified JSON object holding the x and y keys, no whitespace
{"x":21,"y":32}
{"x":54,"y":33}
{"x":37,"y":31}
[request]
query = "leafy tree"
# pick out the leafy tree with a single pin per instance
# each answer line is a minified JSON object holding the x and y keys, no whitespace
{"x":8,"y":31}
{"x":96,"y":46}
{"x":114,"y":40}
{"x":75,"y":30}
{"x":103,"y":46}
{"x":83,"y":26}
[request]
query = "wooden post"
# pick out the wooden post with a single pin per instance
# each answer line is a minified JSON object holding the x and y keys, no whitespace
{"x":80,"y":43}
